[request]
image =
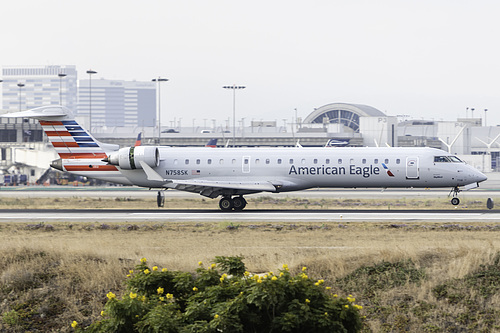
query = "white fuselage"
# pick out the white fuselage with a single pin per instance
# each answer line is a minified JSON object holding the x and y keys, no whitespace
{"x":292,"y":169}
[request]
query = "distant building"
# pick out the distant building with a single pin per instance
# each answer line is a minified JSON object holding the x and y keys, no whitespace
{"x":117,"y":103}
{"x":27,"y":87}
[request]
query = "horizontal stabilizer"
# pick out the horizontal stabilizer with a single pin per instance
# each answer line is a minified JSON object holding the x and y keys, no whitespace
{"x":44,"y":112}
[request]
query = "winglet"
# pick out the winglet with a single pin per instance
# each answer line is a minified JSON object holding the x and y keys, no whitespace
{"x":151,"y":174}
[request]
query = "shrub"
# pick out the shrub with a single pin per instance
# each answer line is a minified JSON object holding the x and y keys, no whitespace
{"x":210,"y":300}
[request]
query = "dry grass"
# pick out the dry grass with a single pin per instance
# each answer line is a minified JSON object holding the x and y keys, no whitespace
{"x":63,"y":271}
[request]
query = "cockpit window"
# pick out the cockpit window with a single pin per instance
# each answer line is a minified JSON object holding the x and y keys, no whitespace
{"x":455,"y":159}
{"x":441,"y":159}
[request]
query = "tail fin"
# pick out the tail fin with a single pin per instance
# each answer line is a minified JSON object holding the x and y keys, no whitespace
{"x":70,"y":140}
{"x":212,"y":143}
{"x":138,"y":142}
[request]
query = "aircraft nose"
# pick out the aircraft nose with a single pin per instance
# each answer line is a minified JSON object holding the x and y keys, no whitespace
{"x":480,"y":177}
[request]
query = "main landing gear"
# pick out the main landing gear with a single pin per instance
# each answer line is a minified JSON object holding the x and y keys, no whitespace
{"x":455,"y":200}
{"x":227,"y":204}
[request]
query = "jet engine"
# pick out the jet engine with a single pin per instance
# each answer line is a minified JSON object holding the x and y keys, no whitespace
{"x":130,"y":158}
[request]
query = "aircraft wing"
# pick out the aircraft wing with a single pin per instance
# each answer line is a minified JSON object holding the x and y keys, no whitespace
{"x":213,"y":188}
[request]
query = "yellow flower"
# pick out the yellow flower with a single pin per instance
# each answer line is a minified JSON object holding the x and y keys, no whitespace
{"x":271,"y":273}
{"x":143,"y":298}
{"x":308,"y":301}
{"x":128,"y":275}
{"x":328,"y":288}
{"x":132,"y":295}
{"x":351,"y":299}
{"x":216,"y":316}
{"x":326,"y":314}
{"x":146,"y":271}
{"x":110,"y":295}
{"x":304,"y":269}
{"x":281,"y":274}
{"x":162,"y":299}
{"x":304,"y":276}
{"x":259,"y":281}
{"x":274,"y":278}
{"x":160,"y":290}
{"x":359,"y":307}
{"x":335,"y":295}
{"x":131,"y":271}
{"x":195,"y":289}
{"x":213,"y":266}
{"x":346,"y":306}
{"x":155,"y":268}
{"x":285,"y":266}
{"x":200,"y":263}
{"x":164,"y":269}
{"x":74,"y":324}
{"x":170,"y":296}
{"x":246,"y":273}
{"x":143,"y":260}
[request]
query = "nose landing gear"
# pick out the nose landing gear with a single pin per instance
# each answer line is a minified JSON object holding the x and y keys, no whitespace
{"x":227,"y":204}
{"x":455,"y":200}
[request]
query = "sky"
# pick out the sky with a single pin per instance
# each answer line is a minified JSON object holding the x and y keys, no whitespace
{"x":426,"y":59}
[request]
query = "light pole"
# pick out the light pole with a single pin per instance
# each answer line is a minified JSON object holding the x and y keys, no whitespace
{"x":20,"y":85}
{"x":158,"y":80}
{"x":61,"y":75}
{"x":485,"y":110}
{"x":90,"y":72}
{"x":234,"y":87}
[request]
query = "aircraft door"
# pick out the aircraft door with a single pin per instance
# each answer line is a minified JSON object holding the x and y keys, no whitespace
{"x":245,"y":165}
{"x":412,"y":171}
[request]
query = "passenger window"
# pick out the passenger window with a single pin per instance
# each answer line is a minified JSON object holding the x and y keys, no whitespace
{"x":352,"y":161}
{"x":315,"y":161}
{"x":303,"y":161}
{"x":268,"y":161}
{"x":198,"y":161}
{"x":257,"y":161}
{"x":245,"y":161}
{"x":234,"y":161}
{"x":363,"y":161}
{"x":176,"y":162}
{"x":279,"y":160}
{"x":221,"y":161}
{"x":291,"y":161}
{"x":386,"y":161}
{"x":209,"y":161}
{"x":375,"y":161}
{"x":186,"y":161}
{"x":398,"y":161}
{"x":327,"y":161}
{"x":339,"y":161}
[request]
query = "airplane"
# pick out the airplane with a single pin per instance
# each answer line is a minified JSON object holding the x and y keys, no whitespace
{"x":232,"y":173}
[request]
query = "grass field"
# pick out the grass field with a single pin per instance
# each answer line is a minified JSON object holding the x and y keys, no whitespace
{"x":416,"y":277}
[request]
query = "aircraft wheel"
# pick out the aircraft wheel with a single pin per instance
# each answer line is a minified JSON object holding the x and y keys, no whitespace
{"x":455,"y":201}
{"x":226,"y":204}
{"x":239,"y":203}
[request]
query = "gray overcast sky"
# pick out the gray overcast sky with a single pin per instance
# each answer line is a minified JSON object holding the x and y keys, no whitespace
{"x":425,"y":58}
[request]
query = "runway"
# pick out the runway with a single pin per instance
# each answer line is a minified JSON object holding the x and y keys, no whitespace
{"x":281,"y":216}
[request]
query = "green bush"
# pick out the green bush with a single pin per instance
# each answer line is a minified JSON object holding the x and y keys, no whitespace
{"x":210,"y":300}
